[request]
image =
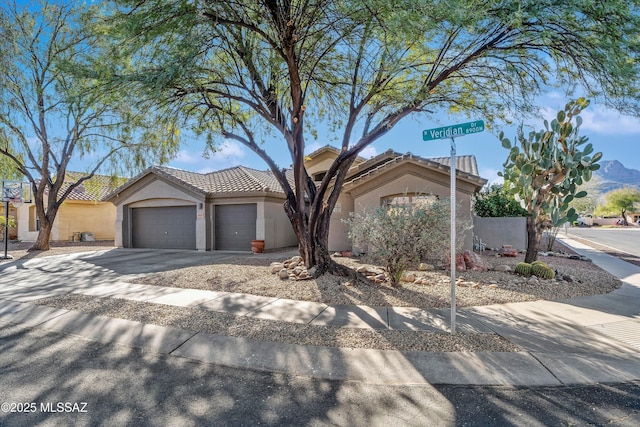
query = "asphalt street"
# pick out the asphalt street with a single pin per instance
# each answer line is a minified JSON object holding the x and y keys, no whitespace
{"x":60,"y":380}
{"x":624,"y":239}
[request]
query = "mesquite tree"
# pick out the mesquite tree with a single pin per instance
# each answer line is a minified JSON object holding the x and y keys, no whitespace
{"x":267,"y":72}
{"x":545,"y":168}
{"x":49,"y":116}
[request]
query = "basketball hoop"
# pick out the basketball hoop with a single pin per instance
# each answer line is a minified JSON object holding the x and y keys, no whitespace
{"x":16,"y":202}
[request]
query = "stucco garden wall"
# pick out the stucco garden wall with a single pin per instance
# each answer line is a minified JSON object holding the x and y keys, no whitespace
{"x":496,"y":232}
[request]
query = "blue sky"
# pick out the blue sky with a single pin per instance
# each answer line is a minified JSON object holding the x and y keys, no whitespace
{"x":616,"y":135}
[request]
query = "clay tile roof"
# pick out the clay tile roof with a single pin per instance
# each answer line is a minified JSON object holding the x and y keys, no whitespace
{"x":91,"y":190}
{"x":238,"y":179}
{"x":465,"y":165}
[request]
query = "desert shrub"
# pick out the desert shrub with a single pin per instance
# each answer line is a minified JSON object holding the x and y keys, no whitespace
{"x":400,"y":235}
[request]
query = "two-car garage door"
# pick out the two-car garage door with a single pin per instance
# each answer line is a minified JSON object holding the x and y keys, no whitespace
{"x":174,"y":227}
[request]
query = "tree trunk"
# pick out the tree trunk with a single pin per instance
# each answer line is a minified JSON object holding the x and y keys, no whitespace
{"x":314,"y":250}
{"x":46,"y":225}
{"x":44,"y":235}
{"x":533,"y":240}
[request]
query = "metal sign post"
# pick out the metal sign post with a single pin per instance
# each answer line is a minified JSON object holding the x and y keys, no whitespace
{"x":451,"y":132}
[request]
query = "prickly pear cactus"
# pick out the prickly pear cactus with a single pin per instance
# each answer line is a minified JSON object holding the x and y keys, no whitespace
{"x":543,"y":271}
{"x":523,"y":268}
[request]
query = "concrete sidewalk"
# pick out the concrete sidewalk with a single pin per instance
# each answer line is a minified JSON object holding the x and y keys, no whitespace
{"x":580,"y":341}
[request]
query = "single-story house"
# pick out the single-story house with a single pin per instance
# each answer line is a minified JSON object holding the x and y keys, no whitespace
{"x":82,"y":211}
{"x":164,"y":207}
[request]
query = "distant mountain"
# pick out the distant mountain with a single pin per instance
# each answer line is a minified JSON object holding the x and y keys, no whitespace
{"x":613,"y":175}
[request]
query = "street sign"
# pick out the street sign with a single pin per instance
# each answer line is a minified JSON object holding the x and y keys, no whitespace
{"x":453,"y":131}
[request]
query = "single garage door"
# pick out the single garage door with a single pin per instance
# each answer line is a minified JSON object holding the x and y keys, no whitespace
{"x":235,"y":226}
{"x":167,"y":227}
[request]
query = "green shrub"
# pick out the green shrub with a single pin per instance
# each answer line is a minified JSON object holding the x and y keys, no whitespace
{"x":523,"y":268}
{"x":402,"y":234}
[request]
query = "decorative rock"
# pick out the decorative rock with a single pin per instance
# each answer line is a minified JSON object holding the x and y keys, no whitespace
{"x":425,"y":267}
{"x":369,"y":271}
{"x":568,"y":278}
{"x":493,"y":286}
{"x":283,"y":274}
{"x":408,"y":277}
{"x":276,"y":267}
{"x":508,"y":251}
{"x":473,"y":261}
{"x":502,"y":267}
{"x":337,"y":254}
{"x":476,"y":286}
{"x":296,"y":259}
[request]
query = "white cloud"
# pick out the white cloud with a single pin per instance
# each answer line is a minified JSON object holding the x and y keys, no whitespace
{"x":228,"y":154}
{"x":598,"y":119}
{"x":369,"y":152}
{"x":184,"y":156}
{"x":229,"y":150}
{"x":310,"y":148}
{"x":603,"y":121}
{"x":491,"y":175}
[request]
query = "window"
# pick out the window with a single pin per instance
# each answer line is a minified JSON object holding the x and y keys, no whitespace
{"x":407,"y":200}
{"x":319,"y":176}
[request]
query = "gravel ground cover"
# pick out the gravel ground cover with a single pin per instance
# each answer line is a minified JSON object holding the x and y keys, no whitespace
{"x":250,"y":274}
{"x":292,"y":333}
{"x":247,"y":274}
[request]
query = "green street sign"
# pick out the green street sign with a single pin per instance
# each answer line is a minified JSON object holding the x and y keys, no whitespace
{"x":453,"y":131}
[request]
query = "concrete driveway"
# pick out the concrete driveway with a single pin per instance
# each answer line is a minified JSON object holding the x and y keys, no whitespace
{"x":60,"y":274}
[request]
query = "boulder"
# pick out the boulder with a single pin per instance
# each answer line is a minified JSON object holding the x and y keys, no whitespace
{"x":283,"y":274}
{"x":408,"y":276}
{"x":474,"y":262}
{"x":508,"y":251}
{"x":502,"y":267}
{"x":425,"y":267}
{"x":276,"y":267}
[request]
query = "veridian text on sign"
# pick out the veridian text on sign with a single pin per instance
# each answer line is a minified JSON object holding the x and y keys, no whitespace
{"x":453,"y":131}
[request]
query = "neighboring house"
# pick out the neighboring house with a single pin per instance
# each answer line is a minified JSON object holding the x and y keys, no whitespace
{"x":82,"y":211}
{"x":224,"y":210}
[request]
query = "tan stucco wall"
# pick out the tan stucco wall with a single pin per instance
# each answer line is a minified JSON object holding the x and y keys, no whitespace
{"x":278,"y":232}
{"x":338,"y":240}
{"x":412,"y":179}
{"x":73,"y":216}
{"x":318,"y":166}
{"x":76,"y":216}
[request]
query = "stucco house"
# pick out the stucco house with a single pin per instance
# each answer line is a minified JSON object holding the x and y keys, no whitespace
{"x":82,"y":211}
{"x":165,"y":207}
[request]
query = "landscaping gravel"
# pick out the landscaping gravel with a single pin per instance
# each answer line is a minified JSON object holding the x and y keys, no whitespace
{"x":250,"y":274}
{"x":246,"y":274}
{"x":276,"y":331}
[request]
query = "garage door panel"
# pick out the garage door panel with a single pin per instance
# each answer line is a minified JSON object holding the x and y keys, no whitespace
{"x":167,"y":227}
{"x":235,"y":226}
